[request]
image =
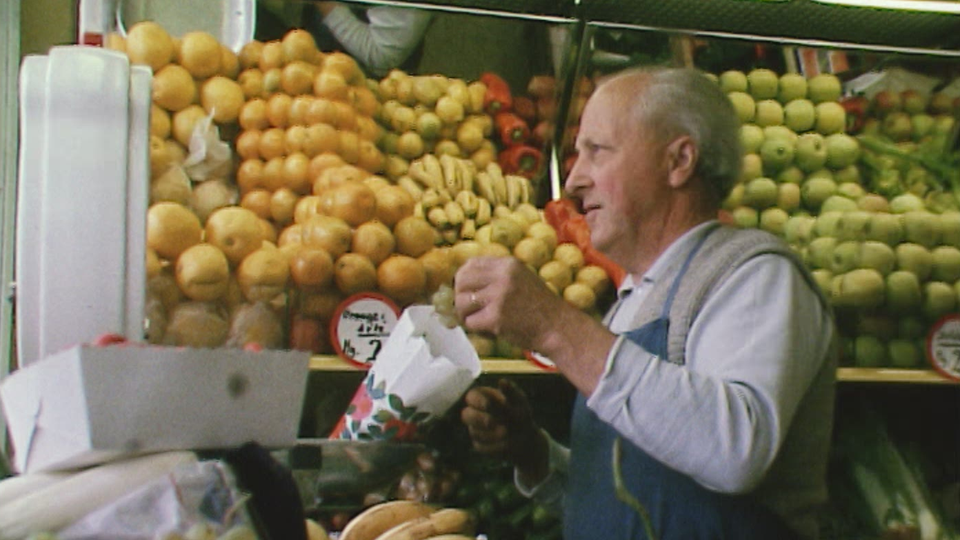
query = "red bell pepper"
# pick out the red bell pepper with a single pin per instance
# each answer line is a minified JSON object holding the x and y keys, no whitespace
{"x":856,"y":108}
{"x":512,"y":129}
{"x":525,"y":108}
{"x":520,"y":159}
{"x":498,"y":97}
{"x":571,"y":226}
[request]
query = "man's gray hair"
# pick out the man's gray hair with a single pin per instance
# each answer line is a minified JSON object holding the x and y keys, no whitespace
{"x":684,"y":101}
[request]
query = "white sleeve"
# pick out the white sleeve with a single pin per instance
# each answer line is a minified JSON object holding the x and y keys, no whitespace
{"x":386,"y":41}
{"x":751,"y":354}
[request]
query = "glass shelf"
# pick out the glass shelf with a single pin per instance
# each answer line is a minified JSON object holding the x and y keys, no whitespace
{"x":508,"y":366}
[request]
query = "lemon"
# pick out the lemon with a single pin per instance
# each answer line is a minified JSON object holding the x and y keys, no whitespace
{"x":149,"y":44}
{"x":236,"y":231}
{"x":222,"y":98}
{"x":171,"y":229}
{"x":174,"y":88}
{"x":184,"y":122}
{"x":160,"y":124}
{"x":200,"y":54}
{"x":263,"y":274}
{"x":202,"y":272}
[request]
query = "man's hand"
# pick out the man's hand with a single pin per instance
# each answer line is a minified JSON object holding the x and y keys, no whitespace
{"x":500,"y":423}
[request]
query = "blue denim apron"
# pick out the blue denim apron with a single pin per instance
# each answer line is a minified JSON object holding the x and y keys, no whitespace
{"x":677,"y":506}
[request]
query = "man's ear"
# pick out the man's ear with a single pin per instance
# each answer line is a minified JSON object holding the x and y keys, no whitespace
{"x":682,"y":156}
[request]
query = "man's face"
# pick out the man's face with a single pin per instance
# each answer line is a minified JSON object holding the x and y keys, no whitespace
{"x":619,"y":176}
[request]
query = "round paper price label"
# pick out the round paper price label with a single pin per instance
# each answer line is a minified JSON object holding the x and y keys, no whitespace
{"x":361,"y":325}
{"x":540,"y":360}
{"x":943,"y":346}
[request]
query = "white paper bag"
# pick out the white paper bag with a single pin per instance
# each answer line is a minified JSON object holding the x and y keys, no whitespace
{"x":421,"y":372}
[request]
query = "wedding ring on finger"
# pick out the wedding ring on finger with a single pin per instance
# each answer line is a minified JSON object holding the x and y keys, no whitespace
{"x":474,"y":301}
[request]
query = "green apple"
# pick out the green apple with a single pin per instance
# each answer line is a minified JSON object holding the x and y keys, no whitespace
{"x":874,"y":202}
{"x":838,"y":203}
{"x":914,"y":258}
{"x":842,"y":150}
{"x":869,"y":352}
{"x":950,"y":228}
{"x":791,"y":174}
{"x":904,"y":353}
{"x":733,"y":81}
{"x":751,"y":166}
{"x":799,"y":115}
{"x":744,"y":105}
{"x":897,"y":126}
{"x":810,"y":152}
{"x":911,"y":327}
{"x":944,"y":124}
{"x":792,"y":86}
{"x":850,"y":173}
{"x":850,"y":190}
{"x":939,"y":298}
{"x":831,"y":118}
{"x":903,"y":291}
{"x":814,"y":191}
{"x":746,"y":217}
{"x":734,"y":198}
{"x":921,"y":227}
{"x":799,"y":229}
{"x":751,"y":137}
{"x":824,"y":87}
{"x":914,"y":102}
{"x":788,"y":196}
{"x":820,"y":252}
{"x":776,"y":154}
{"x":827,"y":224}
{"x":859,"y":288}
{"x":921,"y":125}
{"x":906,"y":202}
{"x":763,"y":83}
{"x":846,"y":257}
{"x":823,"y":278}
{"x":760,"y":193}
{"x":780,"y":132}
{"x":853,"y":224}
{"x":946,"y":264}
{"x":769,"y":112}
{"x":878,"y":256}
{"x":774,"y":220}
{"x":822,"y":173}
{"x":884,"y":227}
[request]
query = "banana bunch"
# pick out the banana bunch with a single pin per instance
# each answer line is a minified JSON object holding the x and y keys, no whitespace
{"x":409,"y":520}
{"x":457,"y":198}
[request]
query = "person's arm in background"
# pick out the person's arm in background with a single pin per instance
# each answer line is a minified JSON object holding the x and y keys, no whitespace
{"x":391,"y":35}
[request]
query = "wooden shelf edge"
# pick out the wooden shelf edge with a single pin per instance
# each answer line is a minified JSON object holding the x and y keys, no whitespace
{"x":508,"y":366}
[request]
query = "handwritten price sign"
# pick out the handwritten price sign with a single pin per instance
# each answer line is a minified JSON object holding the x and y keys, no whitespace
{"x":943,"y":346}
{"x":361,"y":325}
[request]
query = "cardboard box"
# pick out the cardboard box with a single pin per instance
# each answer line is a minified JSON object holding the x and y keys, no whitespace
{"x":88,"y":405}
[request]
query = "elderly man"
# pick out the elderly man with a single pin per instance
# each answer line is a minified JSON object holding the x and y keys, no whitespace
{"x":706,"y":395}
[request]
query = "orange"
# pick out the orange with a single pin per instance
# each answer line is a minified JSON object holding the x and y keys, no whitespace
{"x":293,"y":234}
{"x":294,"y":175}
{"x":200,"y":54}
{"x":373,"y":239}
{"x":249,"y":175}
{"x":173,"y":88}
{"x":311,"y":268}
{"x":306,"y":208}
{"x":296,"y":78}
{"x":393,"y":204}
{"x":258,"y":202}
{"x":202,"y":272}
{"x":298,"y":45}
{"x":354,"y":273}
{"x":334,"y":176}
{"x":270,"y":235}
{"x":236,"y":231}
{"x":349,"y":146}
{"x":253,"y":115}
{"x":346,"y":116}
{"x":272,"y":177}
{"x":248,"y":144}
{"x":273,"y":143}
{"x":402,"y":278}
{"x":250,"y":54}
{"x":159,"y":122}
{"x":322,"y":162}
{"x":184,"y":122}
{"x":440,"y":267}
{"x":263,"y":275}
{"x":251,"y":80}
{"x":321,"y":138}
{"x":299,"y":109}
{"x":282,"y":204}
{"x":368,"y":129}
{"x":271,"y":81}
{"x":222,"y":98}
{"x":376,"y":183}
{"x":330,"y":233}
{"x":294,"y":137}
{"x":149,"y":44}
{"x":331,"y":85}
{"x":353,"y":202}
{"x":271,"y":56}
{"x":369,"y":157}
{"x":365,"y":101}
{"x":343,"y":64}
{"x":415,"y":236}
{"x":171,"y":229}
{"x":278,"y":110}
{"x":321,"y":304}
{"x":322,"y":110}
{"x":229,"y":63}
